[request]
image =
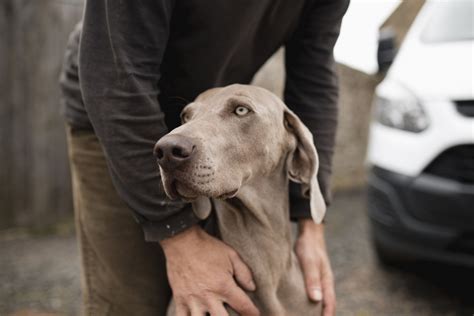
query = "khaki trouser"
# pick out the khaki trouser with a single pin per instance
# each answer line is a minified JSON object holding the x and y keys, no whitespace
{"x":121,"y":273}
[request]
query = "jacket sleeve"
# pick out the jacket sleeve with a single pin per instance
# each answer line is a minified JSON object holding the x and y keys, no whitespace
{"x":311,"y":88}
{"x":122,"y":45}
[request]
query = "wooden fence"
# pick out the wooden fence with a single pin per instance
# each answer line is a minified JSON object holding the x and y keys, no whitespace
{"x":34,"y":175}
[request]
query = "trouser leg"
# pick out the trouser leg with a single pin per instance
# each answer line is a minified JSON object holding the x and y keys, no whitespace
{"x":121,"y":273}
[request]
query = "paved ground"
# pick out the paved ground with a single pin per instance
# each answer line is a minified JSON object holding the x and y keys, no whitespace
{"x":40,"y":276}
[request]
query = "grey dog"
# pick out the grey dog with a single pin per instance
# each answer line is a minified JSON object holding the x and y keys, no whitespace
{"x":235,"y":153}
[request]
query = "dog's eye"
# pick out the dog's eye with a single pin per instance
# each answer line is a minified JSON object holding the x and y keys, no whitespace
{"x":184,"y":117}
{"x":241,"y":110}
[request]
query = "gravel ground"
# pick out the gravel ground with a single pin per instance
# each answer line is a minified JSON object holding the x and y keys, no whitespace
{"x":40,"y":276}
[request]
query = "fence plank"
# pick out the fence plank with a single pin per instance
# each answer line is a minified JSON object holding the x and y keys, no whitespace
{"x":34,"y":183}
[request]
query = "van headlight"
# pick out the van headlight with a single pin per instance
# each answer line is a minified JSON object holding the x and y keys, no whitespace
{"x":404,"y":112}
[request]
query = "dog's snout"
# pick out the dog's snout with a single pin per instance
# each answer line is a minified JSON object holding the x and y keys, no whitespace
{"x":172,"y":151}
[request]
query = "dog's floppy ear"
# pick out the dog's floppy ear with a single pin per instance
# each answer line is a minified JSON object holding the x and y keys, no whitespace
{"x":303,"y":164}
{"x":202,"y":207}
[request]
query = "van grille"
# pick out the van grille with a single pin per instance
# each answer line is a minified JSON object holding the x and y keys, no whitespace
{"x":465,"y":107}
{"x":456,"y":163}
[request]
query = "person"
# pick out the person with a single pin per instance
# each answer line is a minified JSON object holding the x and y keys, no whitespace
{"x":130,"y":67}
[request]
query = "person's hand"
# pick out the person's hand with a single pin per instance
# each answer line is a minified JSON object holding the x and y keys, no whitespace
{"x":311,"y":251}
{"x":203,"y":272}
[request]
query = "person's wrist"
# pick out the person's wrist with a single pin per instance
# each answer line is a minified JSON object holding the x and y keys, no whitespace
{"x":307,"y":225}
{"x":310,"y":232}
{"x":177,"y":241}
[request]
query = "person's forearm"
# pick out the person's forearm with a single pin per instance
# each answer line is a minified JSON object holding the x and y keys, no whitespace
{"x":119,"y":86}
{"x":311,"y":89}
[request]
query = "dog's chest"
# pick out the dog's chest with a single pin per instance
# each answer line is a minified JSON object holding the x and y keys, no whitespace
{"x":269,"y":255}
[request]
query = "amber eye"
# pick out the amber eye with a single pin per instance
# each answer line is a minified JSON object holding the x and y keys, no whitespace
{"x":241,"y":110}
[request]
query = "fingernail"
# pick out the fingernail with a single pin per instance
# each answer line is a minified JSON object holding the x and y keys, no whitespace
{"x":316,"y":294}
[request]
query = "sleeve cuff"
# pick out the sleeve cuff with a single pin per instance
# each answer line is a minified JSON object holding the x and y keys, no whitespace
{"x":299,"y":205}
{"x":169,"y":227}
{"x":299,"y":208}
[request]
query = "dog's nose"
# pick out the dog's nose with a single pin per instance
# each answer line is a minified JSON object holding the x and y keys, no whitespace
{"x":174,"y":150}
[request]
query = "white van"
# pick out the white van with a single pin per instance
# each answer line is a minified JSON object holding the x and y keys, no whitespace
{"x":421,"y":145}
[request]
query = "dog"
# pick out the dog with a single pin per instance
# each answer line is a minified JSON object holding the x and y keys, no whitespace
{"x":234,"y":154}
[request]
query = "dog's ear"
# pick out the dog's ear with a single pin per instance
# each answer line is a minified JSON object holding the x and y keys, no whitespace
{"x":202,"y":207}
{"x":303,"y":164}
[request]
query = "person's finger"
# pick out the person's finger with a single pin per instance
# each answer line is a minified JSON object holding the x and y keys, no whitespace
{"x":181,"y":309}
{"x":240,"y":302}
{"x":312,"y":277}
{"x":217,"y":309}
{"x":327,"y":281}
{"x":196,"y":309}
{"x":329,"y":304}
{"x":242,"y":273}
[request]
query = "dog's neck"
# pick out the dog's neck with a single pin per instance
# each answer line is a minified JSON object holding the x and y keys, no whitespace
{"x":256,"y":223}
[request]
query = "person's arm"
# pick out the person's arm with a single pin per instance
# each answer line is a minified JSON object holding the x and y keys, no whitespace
{"x":311,"y":88}
{"x":311,"y":91}
{"x":121,"y":48}
{"x":122,"y":45}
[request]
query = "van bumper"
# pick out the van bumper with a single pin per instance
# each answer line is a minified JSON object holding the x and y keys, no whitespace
{"x":423,"y":217}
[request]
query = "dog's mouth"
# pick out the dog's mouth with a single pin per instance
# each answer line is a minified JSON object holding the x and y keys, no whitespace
{"x":176,"y":186}
{"x":197,"y":181}
{"x":183,"y":191}
{"x":178,"y":189}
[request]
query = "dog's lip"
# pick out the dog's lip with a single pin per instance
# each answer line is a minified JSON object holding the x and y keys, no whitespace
{"x":173,"y":192}
{"x":228,"y":195}
{"x":180,"y":194}
{"x":171,"y":185}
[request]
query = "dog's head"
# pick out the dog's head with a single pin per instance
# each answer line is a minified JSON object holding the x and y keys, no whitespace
{"x":229,"y":137}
